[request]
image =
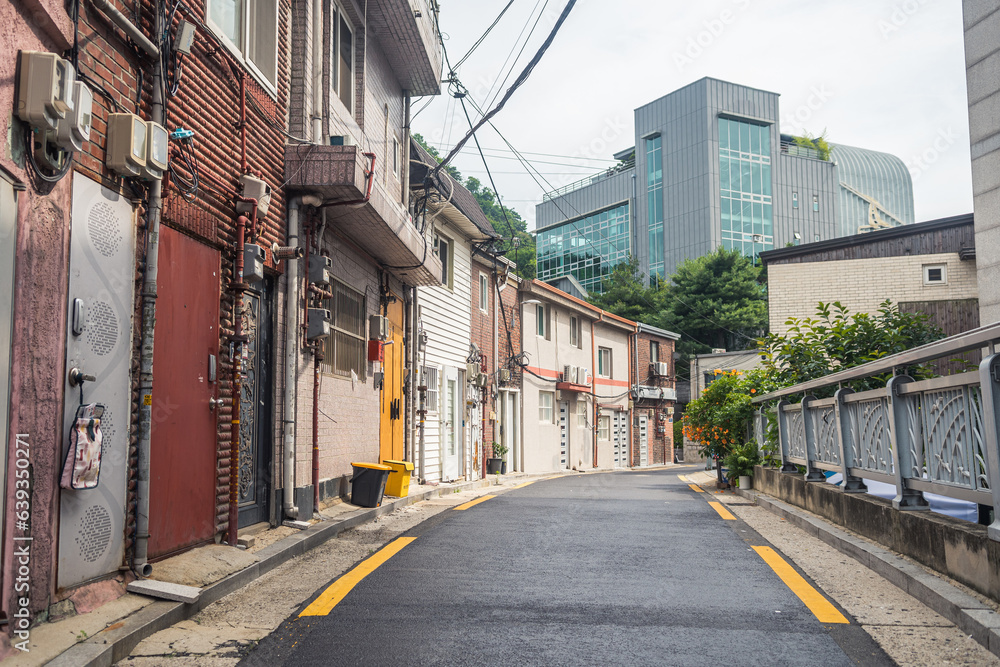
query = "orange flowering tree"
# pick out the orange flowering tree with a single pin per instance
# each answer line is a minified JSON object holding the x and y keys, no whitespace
{"x":720,"y":417}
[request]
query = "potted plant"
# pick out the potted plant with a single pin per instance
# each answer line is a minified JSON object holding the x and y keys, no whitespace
{"x":499,"y":451}
{"x":495,"y":463}
{"x":740,"y":461}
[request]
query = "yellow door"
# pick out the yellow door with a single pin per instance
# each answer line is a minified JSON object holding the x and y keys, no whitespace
{"x":392,"y":422}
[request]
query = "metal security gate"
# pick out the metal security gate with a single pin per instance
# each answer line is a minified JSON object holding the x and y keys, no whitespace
{"x":643,"y":441}
{"x":99,"y":343}
{"x":564,"y":435}
{"x":620,"y":425}
{"x":256,"y":408}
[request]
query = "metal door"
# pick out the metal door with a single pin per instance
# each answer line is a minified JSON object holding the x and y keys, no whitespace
{"x":256,"y":406}
{"x":476,"y":435}
{"x":450,"y":425}
{"x":643,"y":441}
{"x":183,"y":448}
{"x":510,"y":432}
{"x":391,"y":429}
{"x":8,"y":238}
{"x":98,"y":342}
{"x":564,"y":435}
{"x":620,"y":425}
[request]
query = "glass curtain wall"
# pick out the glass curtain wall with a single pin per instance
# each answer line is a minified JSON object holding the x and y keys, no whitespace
{"x":588,"y":248}
{"x":654,"y":193}
{"x":745,"y":177}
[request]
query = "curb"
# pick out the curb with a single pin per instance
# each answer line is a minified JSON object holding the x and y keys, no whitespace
{"x":970,"y":615}
{"x":111,"y":645}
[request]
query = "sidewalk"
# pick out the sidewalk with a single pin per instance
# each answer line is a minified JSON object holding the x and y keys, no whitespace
{"x":199,"y":577}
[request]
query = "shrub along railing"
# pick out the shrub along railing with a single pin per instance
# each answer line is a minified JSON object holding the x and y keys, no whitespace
{"x":929,"y":436}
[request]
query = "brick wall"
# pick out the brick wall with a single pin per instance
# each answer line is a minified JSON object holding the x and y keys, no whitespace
{"x":862,"y":284}
{"x":660,"y":431}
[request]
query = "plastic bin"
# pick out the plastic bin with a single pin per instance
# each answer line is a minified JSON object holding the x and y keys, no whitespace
{"x":368,"y":484}
{"x":399,"y":478}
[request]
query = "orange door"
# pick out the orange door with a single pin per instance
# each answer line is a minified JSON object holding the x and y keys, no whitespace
{"x":392,"y":421}
{"x":183,"y":436}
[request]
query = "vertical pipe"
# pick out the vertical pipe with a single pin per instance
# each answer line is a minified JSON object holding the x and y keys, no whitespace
{"x":317,"y":70}
{"x":593,"y":388}
{"x":405,"y":167}
{"x":317,"y":356}
{"x":149,"y":291}
{"x":243,"y":137}
{"x":291,"y":363}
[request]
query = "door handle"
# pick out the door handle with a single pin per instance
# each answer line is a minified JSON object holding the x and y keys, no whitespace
{"x":77,"y":376}
{"x":212,"y":402}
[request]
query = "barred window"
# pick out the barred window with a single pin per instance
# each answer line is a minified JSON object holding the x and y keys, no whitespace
{"x":344,"y":349}
{"x":431,"y":382}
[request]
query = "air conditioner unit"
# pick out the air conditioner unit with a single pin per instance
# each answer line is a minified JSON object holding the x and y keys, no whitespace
{"x":504,"y":375}
{"x":718,"y":350}
{"x":661,"y":369}
{"x":471,"y":371}
{"x":482,"y":380}
{"x":584,"y":376}
{"x":566,"y":371}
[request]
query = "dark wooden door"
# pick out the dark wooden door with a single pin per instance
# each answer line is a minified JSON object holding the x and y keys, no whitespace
{"x":182,"y":478}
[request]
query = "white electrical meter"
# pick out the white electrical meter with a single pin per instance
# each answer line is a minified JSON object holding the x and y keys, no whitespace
{"x":74,"y":129}
{"x":45,"y":89}
{"x":156,"y":151}
{"x":126,"y":151}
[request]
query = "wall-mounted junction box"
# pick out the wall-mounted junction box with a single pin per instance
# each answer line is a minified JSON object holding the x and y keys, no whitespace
{"x":45,"y":89}
{"x":74,"y":130}
{"x":126,"y":151}
{"x":378,"y":328}
{"x":157,"y":139}
{"x":253,"y":263}
{"x":254,"y":188}
{"x":319,"y":269}
{"x":319,"y":323}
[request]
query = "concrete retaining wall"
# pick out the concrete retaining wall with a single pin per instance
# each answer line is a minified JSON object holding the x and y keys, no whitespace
{"x":955,"y":548}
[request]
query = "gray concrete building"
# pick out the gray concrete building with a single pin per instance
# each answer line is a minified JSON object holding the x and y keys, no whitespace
{"x":982,"y":61}
{"x":711,"y":168}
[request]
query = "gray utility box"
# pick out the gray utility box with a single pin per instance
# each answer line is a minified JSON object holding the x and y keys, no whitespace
{"x":319,"y":323}
{"x":253,"y":263}
{"x":319,"y":269}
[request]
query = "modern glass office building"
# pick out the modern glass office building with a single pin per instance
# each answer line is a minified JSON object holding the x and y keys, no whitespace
{"x":587,"y":248}
{"x":712,"y":168}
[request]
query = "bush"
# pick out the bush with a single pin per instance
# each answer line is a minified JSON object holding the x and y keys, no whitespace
{"x":741,"y":459}
{"x":720,"y":418}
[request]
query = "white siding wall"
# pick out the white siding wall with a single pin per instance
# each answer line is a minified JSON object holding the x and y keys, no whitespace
{"x":447,"y":320}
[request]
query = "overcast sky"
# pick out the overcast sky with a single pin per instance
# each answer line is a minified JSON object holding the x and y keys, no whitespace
{"x":878,"y":74}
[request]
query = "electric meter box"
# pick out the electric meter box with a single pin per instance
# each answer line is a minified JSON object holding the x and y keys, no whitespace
{"x":126,"y":151}
{"x":378,"y":328}
{"x":253,"y":263}
{"x":254,"y":188}
{"x":74,"y":130}
{"x":319,"y":323}
{"x":45,"y":89}
{"x":156,"y":151}
{"x":319,"y":269}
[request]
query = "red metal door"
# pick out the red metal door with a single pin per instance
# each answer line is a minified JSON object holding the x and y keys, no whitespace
{"x":183,"y":457}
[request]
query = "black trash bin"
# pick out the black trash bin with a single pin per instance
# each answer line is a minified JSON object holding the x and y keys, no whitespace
{"x":368,"y":484}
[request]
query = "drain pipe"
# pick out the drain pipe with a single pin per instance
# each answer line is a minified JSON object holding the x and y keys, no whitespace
{"x":140,"y":561}
{"x":291,"y":364}
{"x":317,"y":71}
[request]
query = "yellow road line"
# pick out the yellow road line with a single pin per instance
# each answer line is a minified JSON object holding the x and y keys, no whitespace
{"x":682,"y":478}
{"x":818,"y":605}
{"x":723,"y":512}
{"x":339,"y":589}
{"x":521,"y":486}
{"x":473,"y":503}
{"x":695,"y":487}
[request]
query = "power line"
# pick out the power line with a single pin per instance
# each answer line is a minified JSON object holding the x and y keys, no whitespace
{"x":513,"y":63}
{"x":480,"y":40}
{"x":513,"y":47}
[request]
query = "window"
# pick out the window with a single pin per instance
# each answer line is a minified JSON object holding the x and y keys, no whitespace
{"x":484,"y":292}
{"x":581,"y":413}
{"x":795,"y":200}
{"x":251,"y":30}
{"x":815,"y":203}
{"x":443,"y":249}
{"x":604,"y":362}
{"x":935,"y":274}
{"x":574,"y":331}
{"x":342,"y":58}
{"x":430,"y":378}
{"x":654,"y":351}
{"x":604,"y":427}
{"x":745,"y":182}
{"x":542,"y":321}
{"x":345,"y":347}
{"x":654,"y":197}
{"x":397,"y":155}
{"x":545,"y":413}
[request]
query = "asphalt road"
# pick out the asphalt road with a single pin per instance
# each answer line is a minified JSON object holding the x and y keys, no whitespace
{"x":630,"y":568}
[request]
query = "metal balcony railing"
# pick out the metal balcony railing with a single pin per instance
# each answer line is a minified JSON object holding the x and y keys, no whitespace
{"x":930,"y":436}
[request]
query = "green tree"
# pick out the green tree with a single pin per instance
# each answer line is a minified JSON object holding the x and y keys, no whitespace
{"x":716,"y":301}
{"x":625,"y":293}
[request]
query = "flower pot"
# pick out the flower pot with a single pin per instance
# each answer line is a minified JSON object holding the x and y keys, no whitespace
{"x":746,"y":482}
{"x":503,"y":468}
{"x":493,"y":466}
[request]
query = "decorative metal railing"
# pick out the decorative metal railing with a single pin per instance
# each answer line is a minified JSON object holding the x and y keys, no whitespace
{"x":930,"y":436}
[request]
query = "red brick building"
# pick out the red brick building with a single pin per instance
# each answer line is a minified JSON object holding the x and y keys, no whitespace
{"x":654,"y":396}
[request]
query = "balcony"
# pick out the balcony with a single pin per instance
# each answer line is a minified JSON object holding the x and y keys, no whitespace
{"x":407,"y":32}
{"x":380,"y":227}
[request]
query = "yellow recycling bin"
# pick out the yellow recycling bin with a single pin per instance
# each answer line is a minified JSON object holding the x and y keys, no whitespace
{"x":398,"y":484}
